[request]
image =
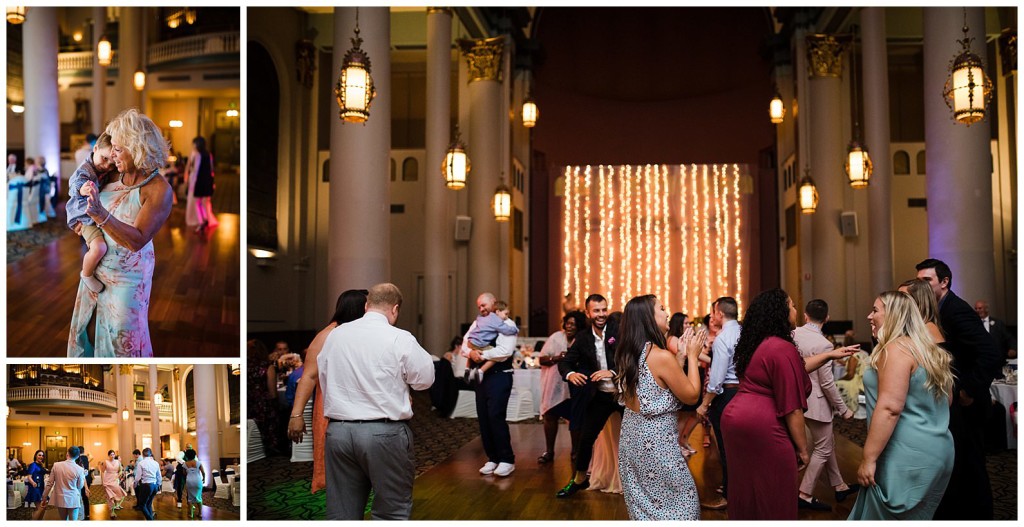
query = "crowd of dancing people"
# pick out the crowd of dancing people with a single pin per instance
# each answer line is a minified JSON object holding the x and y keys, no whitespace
{"x":66,"y":484}
{"x":764,"y":383}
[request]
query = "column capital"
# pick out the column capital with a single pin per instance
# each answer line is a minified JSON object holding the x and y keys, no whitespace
{"x":431,"y":10}
{"x":825,"y":55}
{"x":484,"y":56}
{"x":177,"y":374}
{"x":1008,"y":50}
{"x":126,"y":369}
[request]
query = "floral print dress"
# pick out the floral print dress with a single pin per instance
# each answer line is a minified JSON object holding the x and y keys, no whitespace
{"x":656,"y":480}
{"x":122,"y":308}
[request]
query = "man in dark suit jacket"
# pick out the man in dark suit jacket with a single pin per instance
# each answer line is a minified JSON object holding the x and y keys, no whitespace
{"x":83,"y":461}
{"x":976,"y":361}
{"x":589,"y":366}
{"x":1005,"y":343}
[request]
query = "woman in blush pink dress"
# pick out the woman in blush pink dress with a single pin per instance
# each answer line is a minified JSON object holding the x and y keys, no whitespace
{"x":111,"y":478}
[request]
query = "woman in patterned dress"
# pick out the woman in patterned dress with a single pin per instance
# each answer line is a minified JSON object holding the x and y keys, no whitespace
{"x":111,"y":478}
{"x":655,"y":478}
{"x":130,"y":210}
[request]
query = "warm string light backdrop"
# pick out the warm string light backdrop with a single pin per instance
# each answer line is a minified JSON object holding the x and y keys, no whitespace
{"x":678,"y":232}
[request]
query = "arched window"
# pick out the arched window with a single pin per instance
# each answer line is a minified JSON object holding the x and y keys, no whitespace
{"x":921,"y":169}
{"x":901,"y":163}
{"x":263,"y":132}
{"x":410,"y":169}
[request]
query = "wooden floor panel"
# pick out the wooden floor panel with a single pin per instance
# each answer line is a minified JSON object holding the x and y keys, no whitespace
{"x":454,"y":490}
{"x":194,"y":305}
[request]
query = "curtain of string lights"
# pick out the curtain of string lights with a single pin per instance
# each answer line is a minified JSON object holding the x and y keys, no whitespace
{"x":674,"y":231}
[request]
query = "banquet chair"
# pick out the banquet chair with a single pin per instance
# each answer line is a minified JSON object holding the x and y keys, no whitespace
{"x":304,"y":451}
{"x":222,"y":489}
{"x":17,"y":204}
{"x":520,"y":406}
{"x":465,"y":404}
{"x":254,"y":441}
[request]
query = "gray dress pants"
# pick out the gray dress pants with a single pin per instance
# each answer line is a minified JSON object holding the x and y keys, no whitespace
{"x":361,"y":456}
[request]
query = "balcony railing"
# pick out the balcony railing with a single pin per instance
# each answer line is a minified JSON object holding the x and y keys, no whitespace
{"x":79,"y":60}
{"x":61,"y":393}
{"x":193,"y":47}
{"x":142,"y":407}
{"x":171,"y":50}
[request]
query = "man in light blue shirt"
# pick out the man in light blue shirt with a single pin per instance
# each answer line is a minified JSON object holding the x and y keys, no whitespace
{"x":147,"y":482}
{"x":722,"y":382}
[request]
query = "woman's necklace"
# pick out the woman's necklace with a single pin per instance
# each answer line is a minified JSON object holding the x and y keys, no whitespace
{"x":147,"y":180}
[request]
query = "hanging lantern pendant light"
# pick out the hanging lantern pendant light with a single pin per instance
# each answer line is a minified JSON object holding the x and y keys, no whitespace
{"x":776,"y":109}
{"x":456,"y":164}
{"x":858,"y":161}
{"x":807,"y":194}
{"x":15,"y":14}
{"x":502,"y":203}
{"x":354,"y":90}
{"x":968,"y":90}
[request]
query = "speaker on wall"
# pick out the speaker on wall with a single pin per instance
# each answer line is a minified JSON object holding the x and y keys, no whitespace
{"x":463,"y":228}
{"x":848,"y":224}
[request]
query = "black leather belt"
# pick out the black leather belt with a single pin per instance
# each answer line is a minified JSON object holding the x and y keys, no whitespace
{"x":381,"y":420}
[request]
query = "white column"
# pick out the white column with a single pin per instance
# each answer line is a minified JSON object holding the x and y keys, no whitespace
{"x":827,"y":153}
{"x":876,"y":137}
{"x":438,"y":224}
{"x":359,"y":247}
{"x":484,"y":57}
{"x":42,"y":120}
{"x":959,"y":182}
{"x":129,"y":50}
{"x":204,"y":383}
{"x":125,"y":386}
{"x":154,"y":411}
{"x":99,"y":73}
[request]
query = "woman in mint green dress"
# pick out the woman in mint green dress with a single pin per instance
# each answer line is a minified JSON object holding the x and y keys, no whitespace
{"x":130,"y":210}
{"x":908,"y":454}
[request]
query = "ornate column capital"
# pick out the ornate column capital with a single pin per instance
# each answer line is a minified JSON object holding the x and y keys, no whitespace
{"x":177,"y":374}
{"x":1008,"y":50}
{"x":126,"y":369}
{"x":483,"y":55}
{"x":434,"y":9}
{"x":825,"y":55}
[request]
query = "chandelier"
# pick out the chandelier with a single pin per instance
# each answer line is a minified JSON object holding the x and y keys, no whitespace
{"x":967,"y":90}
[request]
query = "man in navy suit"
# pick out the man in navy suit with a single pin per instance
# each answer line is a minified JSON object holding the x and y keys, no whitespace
{"x":976,"y":361}
{"x":589,"y":366}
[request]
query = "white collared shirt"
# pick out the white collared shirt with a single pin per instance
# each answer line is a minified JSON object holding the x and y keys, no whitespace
{"x":147,"y":471}
{"x":987,"y":323}
{"x":606,"y":385}
{"x":367,"y":367}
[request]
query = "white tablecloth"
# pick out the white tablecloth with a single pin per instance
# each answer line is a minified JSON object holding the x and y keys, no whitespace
{"x":1006,"y":394}
{"x":528,"y":380}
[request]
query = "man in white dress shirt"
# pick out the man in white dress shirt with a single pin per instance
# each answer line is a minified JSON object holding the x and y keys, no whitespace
{"x":366,"y":370}
{"x":67,"y":480}
{"x":147,"y":482}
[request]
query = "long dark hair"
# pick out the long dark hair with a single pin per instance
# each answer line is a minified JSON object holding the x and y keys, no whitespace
{"x":637,"y":329}
{"x":677,"y":325}
{"x":37,"y":454}
{"x":767,"y":316}
{"x":200,"y":143}
{"x":351,"y":305}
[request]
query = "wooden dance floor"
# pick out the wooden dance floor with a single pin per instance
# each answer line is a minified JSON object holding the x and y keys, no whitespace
{"x":194,"y":305}
{"x":164,"y":505}
{"x":454,"y":490}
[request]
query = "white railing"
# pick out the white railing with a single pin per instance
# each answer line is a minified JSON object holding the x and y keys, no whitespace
{"x":142,"y":407}
{"x":79,"y":60}
{"x":62,"y":393}
{"x":191,"y":47}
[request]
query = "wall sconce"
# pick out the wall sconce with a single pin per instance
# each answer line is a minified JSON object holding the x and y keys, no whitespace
{"x":264,"y":257}
{"x":104,"y":51}
{"x":231,"y":113}
{"x":18,"y":109}
{"x":15,"y":14}
{"x":354,"y":89}
{"x":77,"y":36}
{"x":175,"y":123}
{"x":236,"y":369}
{"x":808,"y":194}
{"x":139,"y":80}
{"x":502,"y":203}
{"x":967,"y":90}
{"x":776,"y":109}
{"x":456,"y":164}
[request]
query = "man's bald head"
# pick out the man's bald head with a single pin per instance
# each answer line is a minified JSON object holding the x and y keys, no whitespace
{"x":385,"y":299}
{"x":981,"y":308}
{"x":485,"y":303}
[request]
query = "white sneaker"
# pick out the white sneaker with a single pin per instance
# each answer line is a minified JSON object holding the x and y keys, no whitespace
{"x":488,"y":468}
{"x":479,"y":375}
{"x":504,"y":469}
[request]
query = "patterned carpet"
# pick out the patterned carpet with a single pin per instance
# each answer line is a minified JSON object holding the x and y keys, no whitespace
{"x":278,"y":489}
{"x":21,"y":243}
{"x":98,"y":496}
{"x":1002,"y":469}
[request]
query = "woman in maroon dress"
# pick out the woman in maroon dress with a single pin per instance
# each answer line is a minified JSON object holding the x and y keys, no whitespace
{"x":764,"y":423}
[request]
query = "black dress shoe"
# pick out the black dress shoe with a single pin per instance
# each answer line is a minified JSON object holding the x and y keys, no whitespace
{"x":842,"y":494}
{"x":813,"y":505}
{"x":572,"y":488}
